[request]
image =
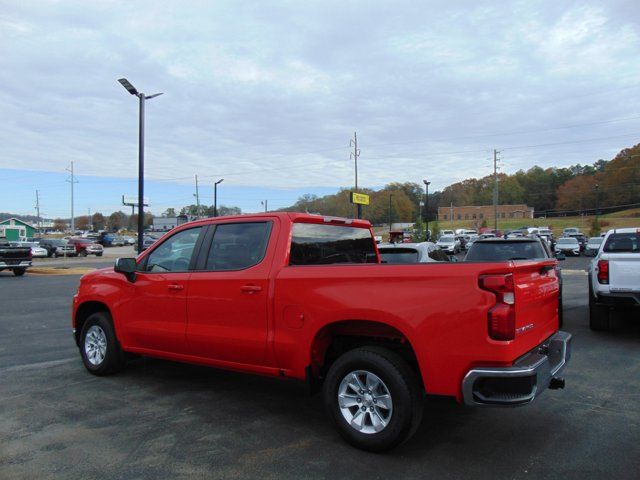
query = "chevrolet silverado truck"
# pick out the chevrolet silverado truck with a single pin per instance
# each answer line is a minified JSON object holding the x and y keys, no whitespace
{"x":306,"y":297}
{"x":16,"y":259}
{"x":614,"y":276}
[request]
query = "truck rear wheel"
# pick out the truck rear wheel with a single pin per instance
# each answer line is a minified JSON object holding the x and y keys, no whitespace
{"x":99,"y":347}
{"x":598,"y":314}
{"x":374,"y":398}
{"x":18,"y":272}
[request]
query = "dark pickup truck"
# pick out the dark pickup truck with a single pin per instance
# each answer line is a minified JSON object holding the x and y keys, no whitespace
{"x":16,"y":259}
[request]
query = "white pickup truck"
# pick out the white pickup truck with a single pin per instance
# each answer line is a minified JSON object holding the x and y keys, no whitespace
{"x":614,"y":276}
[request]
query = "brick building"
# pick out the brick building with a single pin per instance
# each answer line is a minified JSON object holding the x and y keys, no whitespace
{"x":484,"y":212}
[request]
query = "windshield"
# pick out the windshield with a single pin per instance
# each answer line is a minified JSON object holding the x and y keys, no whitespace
{"x":567,"y":241}
{"x":446,"y":239}
{"x":595,"y":240}
{"x":399,"y":255}
{"x":504,"y":250}
{"x":623,"y":242}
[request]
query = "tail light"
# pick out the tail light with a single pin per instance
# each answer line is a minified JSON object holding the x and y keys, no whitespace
{"x":502,"y":316}
{"x":603,"y":271}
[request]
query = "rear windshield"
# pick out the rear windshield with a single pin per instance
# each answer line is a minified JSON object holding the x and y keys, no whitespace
{"x":500,"y":251}
{"x":596,"y":240}
{"x":399,"y":255}
{"x":314,"y":244}
{"x":623,"y":242}
{"x":568,"y":241}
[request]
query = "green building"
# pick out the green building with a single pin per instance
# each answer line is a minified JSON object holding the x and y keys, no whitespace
{"x":16,"y":230}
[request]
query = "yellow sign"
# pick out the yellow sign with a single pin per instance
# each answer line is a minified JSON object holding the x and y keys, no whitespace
{"x":359,"y":198}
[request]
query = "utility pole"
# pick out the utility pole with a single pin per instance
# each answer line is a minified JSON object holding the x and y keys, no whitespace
{"x":38,"y":209}
{"x":390,"y":197}
{"x":90,"y":221}
{"x":355,"y":154}
{"x":265,"y":205}
{"x":215,"y":197}
{"x":427,"y":236}
{"x":495,"y":189}
{"x":72,"y":181}
{"x":197,"y":199}
{"x":451,"y":214}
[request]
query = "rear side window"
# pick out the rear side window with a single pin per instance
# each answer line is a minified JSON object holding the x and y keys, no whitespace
{"x":237,"y":246}
{"x":500,"y":251}
{"x":313,"y":244}
{"x":623,"y":242}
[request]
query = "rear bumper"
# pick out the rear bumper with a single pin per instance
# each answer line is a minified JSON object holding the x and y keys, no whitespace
{"x":521,"y":383}
{"x":21,"y":264}
{"x":619,"y":299}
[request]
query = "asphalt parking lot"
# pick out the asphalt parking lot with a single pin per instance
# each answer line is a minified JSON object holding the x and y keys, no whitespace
{"x":159,"y":419}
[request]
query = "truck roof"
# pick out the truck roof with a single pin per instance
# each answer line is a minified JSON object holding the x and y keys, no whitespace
{"x":289,"y":216}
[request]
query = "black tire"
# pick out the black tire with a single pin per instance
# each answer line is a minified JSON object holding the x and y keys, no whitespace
{"x":55,"y":254}
{"x":598,"y":314}
{"x":98,"y":254}
{"x":403,"y":387}
{"x":18,"y":272}
{"x":114,"y":358}
{"x":83,"y":253}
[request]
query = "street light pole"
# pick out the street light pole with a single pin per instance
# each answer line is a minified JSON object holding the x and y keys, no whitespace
{"x":215,"y":197}
{"x":142,"y":98}
{"x":426,"y":209}
{"x":597,"y":189}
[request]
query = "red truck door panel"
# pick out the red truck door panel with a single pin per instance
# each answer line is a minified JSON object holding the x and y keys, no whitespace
{"x":158,"y":307}
{"x":227,"y":302}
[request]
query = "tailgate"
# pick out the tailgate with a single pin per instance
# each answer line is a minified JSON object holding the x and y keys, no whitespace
{"x":624,"y":272}
{"x":537,"y":290}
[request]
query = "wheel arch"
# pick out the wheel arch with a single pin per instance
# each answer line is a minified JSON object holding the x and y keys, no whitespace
{"x":340,"y":336}
{"x":84,"y":311}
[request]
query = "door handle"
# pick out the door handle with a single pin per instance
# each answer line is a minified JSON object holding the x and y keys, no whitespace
{"x":250,"y":288}
{"x":175,"y":286}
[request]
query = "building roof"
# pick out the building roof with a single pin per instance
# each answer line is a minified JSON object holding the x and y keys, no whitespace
{"x":8,"y":221}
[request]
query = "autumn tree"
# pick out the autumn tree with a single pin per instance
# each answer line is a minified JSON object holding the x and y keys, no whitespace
{"x":117,"y":220}
{"x":98,"y":221}
{"x":82,"y":222}
{"x":59,"y":225}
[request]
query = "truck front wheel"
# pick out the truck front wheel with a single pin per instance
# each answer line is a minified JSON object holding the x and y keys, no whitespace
{"x":99,"y":347}
{"x":18,"y":272}
{"x":374,"y":398}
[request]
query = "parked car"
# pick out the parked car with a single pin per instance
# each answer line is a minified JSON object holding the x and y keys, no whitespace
{"x":305,"y":297}
{"x":593,"y":245}
{"x":36,"y":250}
{"x":614,"y":276}
{"x":462,"y":240}
{"x":147,"y":241}
{"x":446,"y":233}
{"x":582,"y":240}
{"x":14,"y":258}
{"x":423,"y":252}
{"x":472,"y":238}
{"x":129,"y":240}
{"x":86,"y":246}
{"x":524,"y":248}
{"x":66,"y":250}
{"x":568,"y":246}
{"x":51,"y":244}
{"x":570,"y":231}
{"x":449,"y":244}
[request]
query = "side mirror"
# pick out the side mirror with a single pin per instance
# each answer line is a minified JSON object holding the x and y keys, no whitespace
{"x":127,"y":266}
{"x":560,"y":257}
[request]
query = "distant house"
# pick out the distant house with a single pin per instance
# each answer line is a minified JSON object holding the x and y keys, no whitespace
{"x":16,"y":230}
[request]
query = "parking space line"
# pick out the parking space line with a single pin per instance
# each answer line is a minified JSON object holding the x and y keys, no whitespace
{"x":31,"y":366}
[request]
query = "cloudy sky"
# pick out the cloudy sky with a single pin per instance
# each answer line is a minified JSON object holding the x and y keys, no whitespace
{"x":266,"y":94}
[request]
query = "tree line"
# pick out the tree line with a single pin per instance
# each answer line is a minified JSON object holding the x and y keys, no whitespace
{"x":552,"y":191}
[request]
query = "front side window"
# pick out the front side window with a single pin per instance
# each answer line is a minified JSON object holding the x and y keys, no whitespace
{"x":237,"y":246}
{"x":314,"y":244}
{"x":174,"y":254}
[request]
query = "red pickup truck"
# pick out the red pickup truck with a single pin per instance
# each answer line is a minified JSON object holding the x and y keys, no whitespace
{"x":306,"y":297}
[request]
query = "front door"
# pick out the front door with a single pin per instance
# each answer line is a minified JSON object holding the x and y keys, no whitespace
{"x":227,"y":301}
{"x":158,"y":306}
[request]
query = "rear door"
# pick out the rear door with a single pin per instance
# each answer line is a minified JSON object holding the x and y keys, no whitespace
{"x":228,"y":298}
